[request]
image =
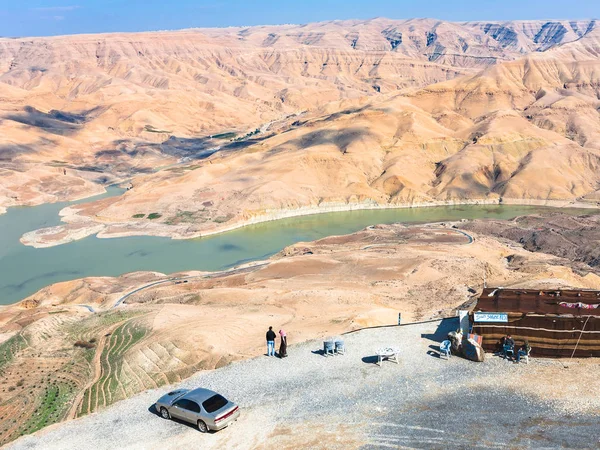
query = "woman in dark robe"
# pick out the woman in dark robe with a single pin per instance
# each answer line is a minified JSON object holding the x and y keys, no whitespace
{"x":283,"y":346}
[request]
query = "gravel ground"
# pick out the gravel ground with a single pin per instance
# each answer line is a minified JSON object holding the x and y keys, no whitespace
{"x":310,"y":401}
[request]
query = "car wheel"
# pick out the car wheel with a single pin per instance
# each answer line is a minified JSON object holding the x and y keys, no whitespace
{"x":164,"y":413}
{"x":202,"y":427}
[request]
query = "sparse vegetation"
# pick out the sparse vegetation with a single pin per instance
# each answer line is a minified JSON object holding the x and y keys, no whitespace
{"x":151,"y":129}
{"x":229,"y":135}
{"x":53,"y":407}
{"x":9,"y":349}
{"x":223,"y":219}
{"x":182,"y":216}
{"x":109,"y":387}
{"x":139,"y":216}
{"x":92,"y":326}
{"x":84,"y":344}
{"x":181,"y":169}
{"x":247,"y":135}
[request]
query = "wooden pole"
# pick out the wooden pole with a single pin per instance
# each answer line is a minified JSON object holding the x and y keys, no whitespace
{"x":580,"y":334}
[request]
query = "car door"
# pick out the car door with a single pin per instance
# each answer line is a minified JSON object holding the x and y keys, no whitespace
{"x":179,"y":409}
{"x":192,"y":412}
{"x":186,"y":410}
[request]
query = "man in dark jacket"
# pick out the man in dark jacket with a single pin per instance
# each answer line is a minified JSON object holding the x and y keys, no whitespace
{"x":271,"y":342}
{"x":508,"y":347}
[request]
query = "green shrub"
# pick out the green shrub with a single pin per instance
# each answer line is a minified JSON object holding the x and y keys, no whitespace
{"x":154,"y":215}
{"x":84,"y":344}
{"x":151,"y":129}
{"x":224,"y":135}
{"x":222,"y":219}
{"x":139,"y":216}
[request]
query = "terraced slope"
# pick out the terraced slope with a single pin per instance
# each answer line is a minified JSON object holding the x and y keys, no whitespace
{"x":44,"y":373}
{"x":111,"y":368}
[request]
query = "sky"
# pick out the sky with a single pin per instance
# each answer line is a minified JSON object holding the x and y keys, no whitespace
{"x":56,"y":17}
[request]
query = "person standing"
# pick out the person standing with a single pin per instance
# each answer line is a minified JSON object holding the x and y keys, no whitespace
{"x":271,"y":342}
{"x":283,"y":345}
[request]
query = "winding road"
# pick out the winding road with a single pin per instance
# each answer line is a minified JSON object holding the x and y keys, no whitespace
{"x":232,"y":271}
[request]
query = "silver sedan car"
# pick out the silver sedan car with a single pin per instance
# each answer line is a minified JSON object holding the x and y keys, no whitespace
{"x":202,"y":407}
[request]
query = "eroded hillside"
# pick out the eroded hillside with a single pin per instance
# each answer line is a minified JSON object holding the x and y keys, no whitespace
{"x":521,"y":131}
{"x":81,"y":110}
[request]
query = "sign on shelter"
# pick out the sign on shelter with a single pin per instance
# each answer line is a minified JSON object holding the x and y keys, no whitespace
{"x":490,"y":317}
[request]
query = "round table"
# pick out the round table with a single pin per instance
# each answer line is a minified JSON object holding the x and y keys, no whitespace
{"x":389,"y":353}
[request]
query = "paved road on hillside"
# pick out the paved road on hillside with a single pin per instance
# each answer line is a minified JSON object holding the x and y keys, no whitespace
{"x":176,"y":280}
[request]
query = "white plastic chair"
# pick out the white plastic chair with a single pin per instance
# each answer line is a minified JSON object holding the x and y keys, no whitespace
{"x":445,"y":349}
{"x":329,"y":348}
{"x":526,"y":357}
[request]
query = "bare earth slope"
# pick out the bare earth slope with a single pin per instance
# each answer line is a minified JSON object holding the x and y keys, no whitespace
{"x":106,"y":106}
{"x":196,"y":321}
{"x":574,"y":238}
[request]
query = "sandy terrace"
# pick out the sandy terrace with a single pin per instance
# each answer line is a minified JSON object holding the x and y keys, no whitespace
{"x":349,"y":402}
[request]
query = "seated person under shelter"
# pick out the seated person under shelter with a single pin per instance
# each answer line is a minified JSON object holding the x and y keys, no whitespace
{"x":523,"y":350}
{"x":508,"y":346}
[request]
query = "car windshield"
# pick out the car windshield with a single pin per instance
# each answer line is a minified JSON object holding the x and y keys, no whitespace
{"x":214,"y":403}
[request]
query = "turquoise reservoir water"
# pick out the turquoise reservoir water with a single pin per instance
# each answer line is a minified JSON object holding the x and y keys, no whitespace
{"x":24,"y":270}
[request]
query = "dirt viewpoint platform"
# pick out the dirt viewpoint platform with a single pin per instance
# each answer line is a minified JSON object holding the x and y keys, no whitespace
{"x":344,"y":402}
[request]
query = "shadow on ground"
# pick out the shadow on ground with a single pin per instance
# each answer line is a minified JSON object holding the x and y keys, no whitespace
{"x":153,"y":410}
{"x":434,"y":351}
{"x":370,"y":359}
{"x":56,"y":122}
{"x":441,"y":333}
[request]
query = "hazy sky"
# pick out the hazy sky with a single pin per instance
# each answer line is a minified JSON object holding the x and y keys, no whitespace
{"x":52,"y":17}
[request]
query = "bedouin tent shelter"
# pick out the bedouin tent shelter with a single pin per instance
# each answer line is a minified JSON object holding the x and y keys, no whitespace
{"x":557,"y":323}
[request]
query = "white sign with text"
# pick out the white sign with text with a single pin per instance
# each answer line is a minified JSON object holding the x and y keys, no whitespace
{"x":490,"y":317}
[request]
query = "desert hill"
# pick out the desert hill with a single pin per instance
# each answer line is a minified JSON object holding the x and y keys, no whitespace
{"x":218,"y":128}
{"x":521,"y":131}
{"x":112,"y":106}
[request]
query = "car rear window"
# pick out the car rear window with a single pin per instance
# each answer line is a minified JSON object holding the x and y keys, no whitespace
{"x":214,"y":403}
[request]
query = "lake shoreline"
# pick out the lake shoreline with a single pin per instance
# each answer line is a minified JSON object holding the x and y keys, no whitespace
{"x":25,"y":270}
{"x":90,"y":194}
{"x":79,"y":227}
